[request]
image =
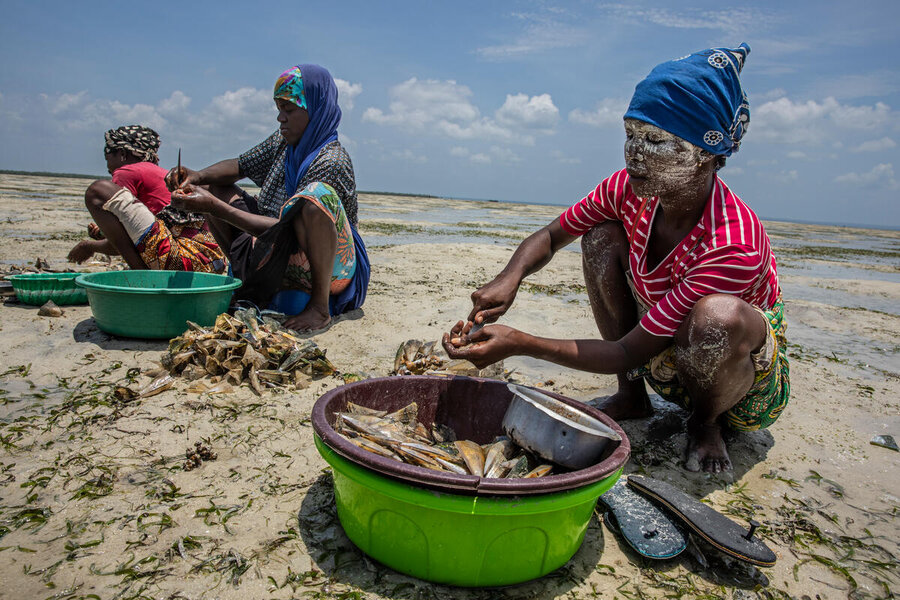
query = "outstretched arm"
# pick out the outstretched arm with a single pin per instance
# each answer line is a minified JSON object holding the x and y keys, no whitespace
{"x":198,"y":199}
{"x":226,"y":172}
{"x":490,"y":301}
{"x":496,"y":342}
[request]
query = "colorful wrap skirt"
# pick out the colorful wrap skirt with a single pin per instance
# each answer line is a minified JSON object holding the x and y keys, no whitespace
{"x":769,"y":393}
{"x":274,"y":262}
{"x":171,"y":239}
{"x":181,"y":247}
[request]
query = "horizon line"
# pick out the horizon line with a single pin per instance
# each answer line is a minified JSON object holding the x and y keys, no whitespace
{"x":437,"y":196}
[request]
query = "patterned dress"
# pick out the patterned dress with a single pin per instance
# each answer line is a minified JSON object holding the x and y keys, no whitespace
{"x":264,"y":165}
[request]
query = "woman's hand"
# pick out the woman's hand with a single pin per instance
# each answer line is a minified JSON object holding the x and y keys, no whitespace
{"x":176,"y":179}
{"x":82,"y":251}
{"x":492,"y":300}
{"x":194,"y":199}
{"x":94,"y":232}
{"x":483,"y":346}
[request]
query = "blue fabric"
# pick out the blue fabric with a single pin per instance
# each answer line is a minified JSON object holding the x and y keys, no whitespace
{"x":324,"y":117}
{"x":292,"y":302}
{"x":355,"y":293}
{"x":698,"y":98}
{"x":289,"y":302}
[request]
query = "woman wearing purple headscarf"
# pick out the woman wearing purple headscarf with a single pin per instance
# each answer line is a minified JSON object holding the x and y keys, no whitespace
{"x":679,"y":271}
{"x":295,"y":245}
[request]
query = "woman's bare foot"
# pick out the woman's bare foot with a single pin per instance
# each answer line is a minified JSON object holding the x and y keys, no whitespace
{"x":311,"y":319}
{"x":626,"y":404}
{"x":706,"y":449}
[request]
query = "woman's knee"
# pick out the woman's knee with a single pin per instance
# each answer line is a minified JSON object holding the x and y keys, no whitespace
{"x":723,"y":324}
{"x":99,"y":192}
{"x":605,"y":243}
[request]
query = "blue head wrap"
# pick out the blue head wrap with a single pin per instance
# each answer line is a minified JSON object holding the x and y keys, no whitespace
{"x":320,"y":93}
{"x":698,"y":98}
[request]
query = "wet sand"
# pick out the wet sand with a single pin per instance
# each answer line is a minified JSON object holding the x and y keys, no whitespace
{"x":94,"y":499}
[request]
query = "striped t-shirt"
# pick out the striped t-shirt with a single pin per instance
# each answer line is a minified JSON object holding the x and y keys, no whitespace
{"x":727,"y":252}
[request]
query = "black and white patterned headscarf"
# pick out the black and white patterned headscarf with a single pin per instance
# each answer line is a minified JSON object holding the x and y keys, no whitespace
{"x":141,"y":141}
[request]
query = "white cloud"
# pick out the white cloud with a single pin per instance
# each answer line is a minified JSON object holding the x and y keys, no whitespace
{"x":536,"y":112}
{"x":248,"y":106}
{"x":786,"y":121}
{"x":541,"y":32}
{"x":884,"y":143}
{"x":785,"y":176}
{"x":242,"y":115}
{"x":796,"y":154}
{"x":882,"y":173}
{"x":175,"y":104}
{"x":504,"y":155}
{"x":444,"y":108}
{"x":65,"y":102}
{"x":558,"y":156}
{"x":609,"y":111}
{"x":493,"y":154}
{"x":347,"y":92}
{"x":408,"y":155}
{"x":730,"y":22}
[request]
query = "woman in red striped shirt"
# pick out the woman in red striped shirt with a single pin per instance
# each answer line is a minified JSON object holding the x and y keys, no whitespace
{"x":679,"y":271}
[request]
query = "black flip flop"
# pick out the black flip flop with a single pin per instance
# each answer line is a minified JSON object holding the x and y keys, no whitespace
{"x":647,"y":529}
{"x":711,"y":525}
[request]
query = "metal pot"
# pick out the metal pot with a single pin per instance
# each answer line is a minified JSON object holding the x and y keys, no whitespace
{"x":554,"y":430}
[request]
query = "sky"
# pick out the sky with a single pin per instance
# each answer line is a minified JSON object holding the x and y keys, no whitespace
{"x":511,"y":101}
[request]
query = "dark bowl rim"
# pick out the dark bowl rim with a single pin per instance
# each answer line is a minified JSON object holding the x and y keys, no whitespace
{"x":468,"y":483}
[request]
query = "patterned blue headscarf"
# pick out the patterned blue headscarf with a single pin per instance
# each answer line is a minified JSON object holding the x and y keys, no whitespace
{"x":311,"y":87}
{"x":698,"y":98}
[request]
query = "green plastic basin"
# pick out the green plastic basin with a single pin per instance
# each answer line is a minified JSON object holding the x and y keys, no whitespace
{"x":38,"y":288}
{"x":156,"y":304}
{"x":460,"y":539}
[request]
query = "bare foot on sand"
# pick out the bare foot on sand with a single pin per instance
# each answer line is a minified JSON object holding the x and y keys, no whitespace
{"x":626,"y":404}
{"x":706,"y":450}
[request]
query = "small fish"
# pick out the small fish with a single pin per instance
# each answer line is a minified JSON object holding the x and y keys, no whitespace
{"x":498,"y":470}
{"x":473,"y":456}
{"x":372,"y":447}
{"x":539,"y":471}
{"x":519,"y":467}
{"x":496,"y":454}
{"x":358,"y":409}
{"x":885,"y":441}
{"x":254,"y":381}
{"x":160,"y":384}
{"x":405,"y":415}
{"x":443,"y":434}
{"x":452,"y":467}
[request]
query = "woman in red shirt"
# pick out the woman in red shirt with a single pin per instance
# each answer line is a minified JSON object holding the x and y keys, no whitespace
{"x":133,"y":215}
{"x":679,"y":271}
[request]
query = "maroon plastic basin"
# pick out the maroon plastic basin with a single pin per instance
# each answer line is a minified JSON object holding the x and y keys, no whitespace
{"x":474,"y":409}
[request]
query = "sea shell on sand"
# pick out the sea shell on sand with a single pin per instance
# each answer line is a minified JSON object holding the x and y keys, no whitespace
{"x":50,"y":309}
{"x":244,"y":349}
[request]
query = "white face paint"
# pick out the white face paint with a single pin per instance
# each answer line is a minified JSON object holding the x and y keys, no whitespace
{"x":660,"y":163}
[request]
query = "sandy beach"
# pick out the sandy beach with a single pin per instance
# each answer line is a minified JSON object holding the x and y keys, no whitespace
{"x":94,"y":502}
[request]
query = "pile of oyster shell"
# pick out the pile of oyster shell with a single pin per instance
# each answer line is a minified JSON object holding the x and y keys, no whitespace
{"x":245,"y":348}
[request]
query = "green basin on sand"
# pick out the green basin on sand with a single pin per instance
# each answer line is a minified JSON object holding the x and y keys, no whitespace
{"x":156,"y":304}
{"x":458,"y":539}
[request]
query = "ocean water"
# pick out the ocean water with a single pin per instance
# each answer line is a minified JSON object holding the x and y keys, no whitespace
{"x":841,"y":267}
